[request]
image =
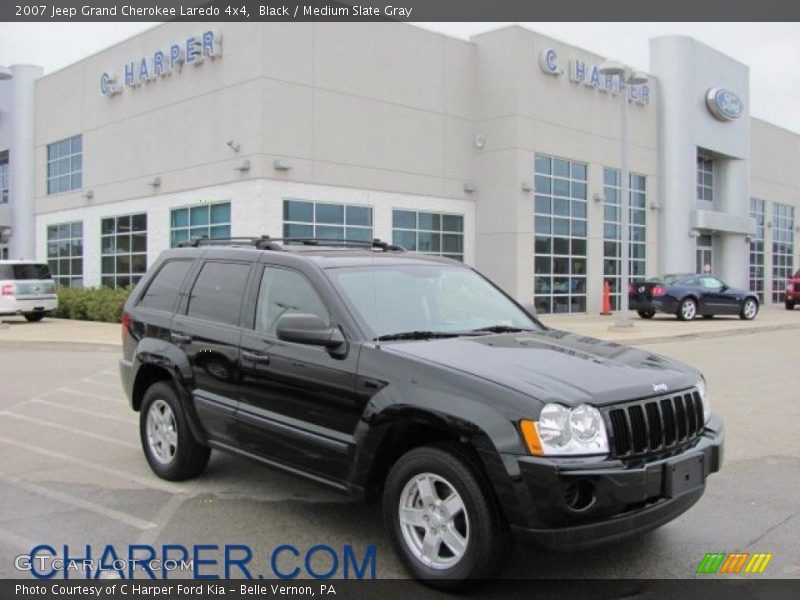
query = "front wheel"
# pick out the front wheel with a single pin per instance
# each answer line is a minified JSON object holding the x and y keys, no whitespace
{"x":646,"y":314}
{"x":443,"y":521}
{"x":687,"y":310}
{"x":168,"y":443}
{"x":789,"y":305}
{"x":749,"y":310}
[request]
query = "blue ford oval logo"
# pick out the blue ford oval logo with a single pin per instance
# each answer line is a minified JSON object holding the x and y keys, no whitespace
{"x":724,"y":104}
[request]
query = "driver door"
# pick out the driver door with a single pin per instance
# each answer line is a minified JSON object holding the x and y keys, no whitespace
{"x":297,"y":402}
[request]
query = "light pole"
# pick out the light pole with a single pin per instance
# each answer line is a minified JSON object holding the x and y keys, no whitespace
{"x":626,"y":77}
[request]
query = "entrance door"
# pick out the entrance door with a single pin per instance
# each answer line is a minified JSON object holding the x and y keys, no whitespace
{"x":705,"y":254}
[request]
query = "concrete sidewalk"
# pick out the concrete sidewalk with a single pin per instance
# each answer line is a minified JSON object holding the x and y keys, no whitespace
{"x":87,"y":335}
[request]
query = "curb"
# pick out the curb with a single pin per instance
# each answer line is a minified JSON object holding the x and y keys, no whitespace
{"x":48,"y":345}
{"x":705,"y":334}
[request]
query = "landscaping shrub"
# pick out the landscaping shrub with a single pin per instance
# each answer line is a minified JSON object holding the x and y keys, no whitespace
{"x":91,"y":304}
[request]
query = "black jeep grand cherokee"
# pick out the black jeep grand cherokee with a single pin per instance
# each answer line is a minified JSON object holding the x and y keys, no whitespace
{"x":375,"y":371}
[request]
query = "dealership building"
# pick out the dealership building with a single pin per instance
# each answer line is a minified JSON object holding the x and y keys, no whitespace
{"x":502,"y":151}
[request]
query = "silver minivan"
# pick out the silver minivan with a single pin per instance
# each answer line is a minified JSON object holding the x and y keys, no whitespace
{"x":26,"y":288}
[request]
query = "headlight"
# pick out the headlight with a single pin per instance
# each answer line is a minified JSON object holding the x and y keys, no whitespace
{"x":561,"y":431}
{"x":701,"y":389}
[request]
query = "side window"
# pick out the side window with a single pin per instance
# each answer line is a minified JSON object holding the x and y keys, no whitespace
{"x":711,"y":283}
{"x":217,"y":293}
{"x":692,"y":282}
{"x":283,"y":291}
{"x":161,"y":292}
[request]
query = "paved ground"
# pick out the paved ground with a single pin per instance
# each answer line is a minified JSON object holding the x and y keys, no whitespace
{"x":73,"y":473}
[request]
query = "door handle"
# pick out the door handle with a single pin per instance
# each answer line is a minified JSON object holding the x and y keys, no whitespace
{"x":256,"y":357}
{"x":180,"y":338}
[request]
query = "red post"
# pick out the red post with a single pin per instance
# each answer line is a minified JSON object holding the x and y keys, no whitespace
{"x":606,"y":299}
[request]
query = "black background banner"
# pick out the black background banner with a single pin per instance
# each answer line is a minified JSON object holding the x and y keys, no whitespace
{"x":712,"y":588}
{"x":412,"y":10}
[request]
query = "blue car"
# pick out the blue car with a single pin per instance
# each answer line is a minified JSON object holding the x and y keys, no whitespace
{"x":688,"y":296}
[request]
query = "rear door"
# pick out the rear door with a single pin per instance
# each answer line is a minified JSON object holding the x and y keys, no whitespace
{"x":298,"y":402}
{"x":207,"y":331}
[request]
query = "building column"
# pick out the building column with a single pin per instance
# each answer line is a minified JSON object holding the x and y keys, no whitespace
{"x":22,"y":164}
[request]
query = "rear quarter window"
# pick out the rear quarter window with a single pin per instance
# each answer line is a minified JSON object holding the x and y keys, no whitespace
{"x":25,"y":271}
{"x":163,"y":289}
{"x":218,"y":291}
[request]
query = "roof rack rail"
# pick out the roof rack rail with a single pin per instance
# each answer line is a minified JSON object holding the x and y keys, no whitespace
{"x":267,"y":243}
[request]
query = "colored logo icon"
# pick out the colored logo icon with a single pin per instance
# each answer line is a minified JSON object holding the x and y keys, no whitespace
{"x":735,"y":562}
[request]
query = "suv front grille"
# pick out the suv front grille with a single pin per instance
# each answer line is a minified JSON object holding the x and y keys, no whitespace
{"x":656,"y":424}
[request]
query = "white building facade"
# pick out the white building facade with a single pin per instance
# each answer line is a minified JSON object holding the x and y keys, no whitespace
{"x":502,"y":151}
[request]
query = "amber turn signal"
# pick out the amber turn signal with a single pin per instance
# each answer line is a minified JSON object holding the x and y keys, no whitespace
{"x":531,"y":437}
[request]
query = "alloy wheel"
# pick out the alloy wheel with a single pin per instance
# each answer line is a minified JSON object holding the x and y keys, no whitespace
{"x":434,"y":521}
{"x":162,"y":432}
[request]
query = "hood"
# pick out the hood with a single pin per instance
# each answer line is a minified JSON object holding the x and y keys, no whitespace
{"x":556,"y":366}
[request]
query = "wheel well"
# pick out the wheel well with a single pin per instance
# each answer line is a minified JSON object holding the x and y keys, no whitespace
{"x":147,"y":376}
{"x":404,"y":437}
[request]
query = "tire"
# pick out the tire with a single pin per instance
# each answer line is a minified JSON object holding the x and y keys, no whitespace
{"x":34,"y":317}
{"x":708,"y":316}
{"x":789,"y":305}
{"x":448,"y":477}
{"x":167,"y":441}
{"x":749,"y":309}
{"x":687,"y":310}
{"x":646,"y":314}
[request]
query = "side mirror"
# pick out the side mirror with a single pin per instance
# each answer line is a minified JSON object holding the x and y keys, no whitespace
{"x":302,"y":328}
{"x":724,"y":287}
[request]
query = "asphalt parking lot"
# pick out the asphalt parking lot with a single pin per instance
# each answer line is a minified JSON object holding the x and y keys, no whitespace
{"x":73,"y":473}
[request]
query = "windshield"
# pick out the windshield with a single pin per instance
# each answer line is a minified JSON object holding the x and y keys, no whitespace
{"x":24,"y":271}
{"x":395,"y":299}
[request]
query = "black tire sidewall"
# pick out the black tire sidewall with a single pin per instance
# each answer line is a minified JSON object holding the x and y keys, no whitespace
{"x":177,"y":468}
{"x":484,"y":529}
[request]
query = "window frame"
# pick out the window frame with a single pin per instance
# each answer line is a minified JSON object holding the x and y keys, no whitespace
{"x":704,"y":167}
{"x":55,"y":261}
{"x":131,"y":274}
{"x":189,"y":227}
{"x":252,"y":316}
{"x":314,"y":223}
{"x":441,"y":231}
{"x":5,"y":176}
{"x":183,"y":306}
{"x":52,"y":163}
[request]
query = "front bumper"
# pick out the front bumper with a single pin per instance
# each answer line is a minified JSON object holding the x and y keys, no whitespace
{"x":575,"y":504}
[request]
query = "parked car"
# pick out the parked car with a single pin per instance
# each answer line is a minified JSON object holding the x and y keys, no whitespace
{"x":382,"y":373}
{"x":792,"y":291}
{"x":26,"y":288}
{"x":687,"y":296}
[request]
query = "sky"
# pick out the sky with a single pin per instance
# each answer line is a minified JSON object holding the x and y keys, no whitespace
{"x":771,"y":50}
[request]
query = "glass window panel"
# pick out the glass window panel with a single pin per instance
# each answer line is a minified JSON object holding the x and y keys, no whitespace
{"x":291,"y":230}
{"x":77,"y":229}
{"x":363,"y":234}
{"x":179,"y":236}
{"x":77,"y":143}
{"x":561,"y":187}
{"x":196,"y":233}
{"x":198,"y":215}
{"x":180,"y":217}
{"x":560,"y":167}
{"x":404,"y":219}
{"x":123,"y":263}
{"x":542,"y":185}
{"x":452,"y":243}
{"x":542,"y":204}
{"x":453,"y":223}
{"x":220,"y":231}
{"x":578,"y":228}
{"x":578,"y":247}
{"x":560,"y":226}
{"x":52,"y":151}
{"x":561,"y":206}
{"x":430,"y":221}
{"x":221,"y":213}
{"x":139,"y":242}
{"x":579,"y":171}
{"x":108,"y":244}
{"x":406,"y":239}
{"x":579,"y":209}
{"x":561,"y":265}
{"x":296,"y":210}
{"x":139,"y":222}
{"x":330,"y":213}
{"x":138,"y":263}
{"x":123,"y":243}
{"x":560,"y":245}
{"x":428,"y":242}
{"x":578,"y":190}
{"x":542,"y":164}
{"x":328,"y":232}
{"x":359,"y":215}
{"x":542,"y":264}
{"x":542,"y":245}
{"x":542,"y":224}
{"x":578,"y":266}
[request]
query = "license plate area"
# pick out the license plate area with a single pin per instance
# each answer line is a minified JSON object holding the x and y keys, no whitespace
{"x":683,"y":475}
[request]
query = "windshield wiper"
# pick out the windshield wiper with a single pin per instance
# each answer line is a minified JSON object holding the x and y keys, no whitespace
{"x":502,"y":329}
{"x":417,"y":335}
